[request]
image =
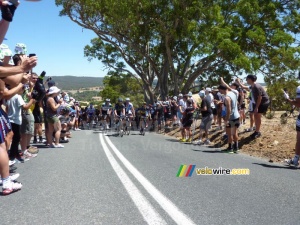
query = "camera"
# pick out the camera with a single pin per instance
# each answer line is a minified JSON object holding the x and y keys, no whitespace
{"x":31,"y":55}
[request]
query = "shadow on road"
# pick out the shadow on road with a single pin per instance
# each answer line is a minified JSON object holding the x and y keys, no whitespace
{"x":275,"y":166}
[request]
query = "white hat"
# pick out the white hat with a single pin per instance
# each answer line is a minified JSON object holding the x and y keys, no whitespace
{"x":53,"y":90}
{"x":208,"y":89}
{"x":175,"y":98}
{"x":21,"y":49}
{"x":201,"y":93}
{"x":190,"y":94}
{"x":4,"y":51}
{"x":180,"y":95}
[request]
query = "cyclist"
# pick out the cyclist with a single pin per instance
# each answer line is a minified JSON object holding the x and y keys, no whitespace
{"x":119,"y":110}
{"x":143,"y":115}
{"x":91,"y":112}
{"x":105,"y":111}
{"x":129,"y":111}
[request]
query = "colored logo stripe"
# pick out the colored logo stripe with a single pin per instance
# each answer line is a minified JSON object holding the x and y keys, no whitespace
{"x":190,"y":169}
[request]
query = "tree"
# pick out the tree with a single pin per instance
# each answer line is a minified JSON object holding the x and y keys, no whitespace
{"x":182,"y":40}
{"x":121,"y":85}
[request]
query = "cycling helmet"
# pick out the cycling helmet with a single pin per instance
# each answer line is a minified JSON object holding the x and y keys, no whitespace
{"x":107,"y":100}
{"x":120,"y":100}
{"x":180,"y":95}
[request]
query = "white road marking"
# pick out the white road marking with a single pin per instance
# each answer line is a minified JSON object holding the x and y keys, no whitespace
{"x":150,"y":215}
{"x":176,"y":214}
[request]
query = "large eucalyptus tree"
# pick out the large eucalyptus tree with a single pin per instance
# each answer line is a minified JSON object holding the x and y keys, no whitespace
{"x":177,"y":41}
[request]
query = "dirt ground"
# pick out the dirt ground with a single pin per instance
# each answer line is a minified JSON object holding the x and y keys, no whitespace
{"x":276,"y":143}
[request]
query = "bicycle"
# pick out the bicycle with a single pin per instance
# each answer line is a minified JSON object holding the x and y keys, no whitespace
{"x":293,"y":112}
{"x":119,"y":126}
{"x":104,"y":125}
{"x":127,"y":125}
{"x":143,"y":125}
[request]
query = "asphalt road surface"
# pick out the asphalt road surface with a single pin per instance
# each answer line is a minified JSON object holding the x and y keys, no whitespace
{"x":103,"y":179}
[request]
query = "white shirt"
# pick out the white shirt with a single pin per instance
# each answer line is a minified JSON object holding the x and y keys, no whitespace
{"x":182,"y":104}
{"x":210,"y":98}
{"x":14,"y":106}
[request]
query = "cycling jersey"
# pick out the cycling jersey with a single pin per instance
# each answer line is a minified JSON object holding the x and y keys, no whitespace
{"x":129,"y":108}
{"x":119,"y":108}
{"x":143,"y":112}
{"x":90,"y":111}
{"x":105,"y":107}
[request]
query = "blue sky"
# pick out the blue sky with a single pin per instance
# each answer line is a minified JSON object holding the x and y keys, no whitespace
{"x":57,"y":41}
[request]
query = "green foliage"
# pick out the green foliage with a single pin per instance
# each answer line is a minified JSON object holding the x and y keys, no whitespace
{"x":119,"y":85}
{"x":175,"y":42}
{"x":275,"y":92}
{"x":85,"y":95}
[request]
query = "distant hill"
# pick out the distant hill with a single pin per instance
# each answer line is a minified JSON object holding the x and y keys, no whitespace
{"x":76,"y":83}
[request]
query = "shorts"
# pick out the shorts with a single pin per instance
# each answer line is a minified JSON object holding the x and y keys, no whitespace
{"x":168,"y":115}
{"x":187,"y":123}
{"x":263,"y":108}
{"x":206,"y":122}
{"x":27,"y":126}
{"x":37,"y":118}
{"x":52,"y":120}
{"x":5,"y":126}
{"x":159,"y":120}
{"x":298,"y":123}
{"x":215,"y":111}
{"x":233,"y":123}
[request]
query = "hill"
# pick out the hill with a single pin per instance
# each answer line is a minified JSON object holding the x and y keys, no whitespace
{"x":76,"y":83}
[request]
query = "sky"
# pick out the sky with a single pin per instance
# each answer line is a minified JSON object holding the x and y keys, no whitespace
{"x":57,"y":41}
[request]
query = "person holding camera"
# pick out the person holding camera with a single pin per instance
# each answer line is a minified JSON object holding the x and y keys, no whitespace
{"x":27,"y":126}
{"x":15,"y":106}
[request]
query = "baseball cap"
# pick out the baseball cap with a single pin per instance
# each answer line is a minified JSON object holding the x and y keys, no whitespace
{"x":201,"y":93}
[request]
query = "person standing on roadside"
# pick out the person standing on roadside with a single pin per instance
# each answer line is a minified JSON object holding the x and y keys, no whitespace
{"x":295,"y":161}
{"x":261,"y":102}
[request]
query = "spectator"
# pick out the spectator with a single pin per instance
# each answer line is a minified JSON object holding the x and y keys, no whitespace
{"x":54,"y":124}
{"x":27,"y":126}
{"x":232,"y":118}
{"x":38,"y":126}
{"x":15,"y":105}
{"x":261,"y":102}
{"x":207,"y":118}
{"x":187,"y":120}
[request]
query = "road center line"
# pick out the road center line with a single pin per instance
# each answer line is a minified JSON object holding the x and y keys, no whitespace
{"x":149,"y":214}
{"x":176,"y":214}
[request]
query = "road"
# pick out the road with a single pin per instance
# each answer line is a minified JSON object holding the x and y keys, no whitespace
{"x":98,"y":179}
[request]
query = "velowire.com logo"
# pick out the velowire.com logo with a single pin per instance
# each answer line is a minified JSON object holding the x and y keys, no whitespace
{"x":187,"y":171}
